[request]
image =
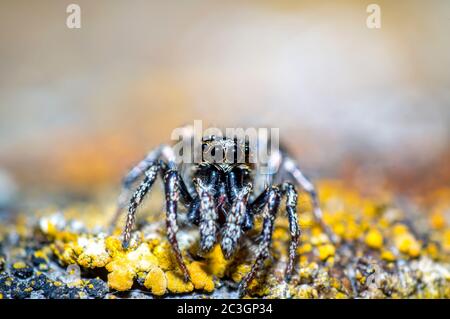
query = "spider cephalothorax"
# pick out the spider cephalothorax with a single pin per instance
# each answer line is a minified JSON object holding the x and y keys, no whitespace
{"x":222,"y":193}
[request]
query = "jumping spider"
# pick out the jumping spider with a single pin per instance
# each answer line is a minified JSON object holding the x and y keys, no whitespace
{"x":222,"y":198}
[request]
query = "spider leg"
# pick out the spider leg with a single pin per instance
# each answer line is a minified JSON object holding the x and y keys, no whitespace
{"x":171,"y":186}
{"x":292,"y":168}
{"x":253,"y":209}
{"x":187,"y":132}
{"x":150,"y":176}
{"x":291,"y":208}
{"x":146,"y":184}
{"x":272,"y":195}
{"x":248,"y":220}
{"x":132,"y":176}
{"x":232,"y":231}
{"x":208,"y":214}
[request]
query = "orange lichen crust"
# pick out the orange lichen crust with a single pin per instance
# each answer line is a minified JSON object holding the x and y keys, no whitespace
{"x":373,"y":237}
{"x":381,"y":252}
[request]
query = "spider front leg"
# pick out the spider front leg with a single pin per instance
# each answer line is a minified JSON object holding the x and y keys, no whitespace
{"x":238,"y":191}
{"x":232,"y":230}
{"x":291,"y":209}
{"x":149,"y":167}
{"x":207,"y":211}
{"x":138,"y":170}
{"x":150,"y":176}
{"x":171,"y":186}
{"x":131,"y":178}
{"x":292,"y":168}
{"x":272,"y":200}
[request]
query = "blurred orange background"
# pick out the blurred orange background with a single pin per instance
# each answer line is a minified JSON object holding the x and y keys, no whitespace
{"x":80,"y":106}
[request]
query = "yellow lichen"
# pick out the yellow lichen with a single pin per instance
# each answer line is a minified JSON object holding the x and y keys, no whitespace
{"x":360,"y":277}
{"x":217,"y":264}
{"x":305,"y":248}
{"x":150,"y":260}
{"x":65,"y":252}
{"x":369,"y":209}
{"x":433,"y":250}
{"x":352,"y":231}
{"x":399,"y":229}
{"x":88,"y":261}
{"x":156,"y":281}
{"x":240,"y":272}
{"x":113,"y":245}
{"x":446,"y":241}
{"x":176,"y":283}
{"x":374,"y":239}
{"x":340,"y":295}
{"x":387,"y":255}
{"x":19,"y":265}
{"x":318,"y":237}
{"x":40,"y":254}
{"x":437,"y":221}
{"x":339,"y":229}
{"x":280,"y":234}
{"x":326,"y":251}
{"x":163,"y":253}
{"x":407,"y":244}
{"x":121,"y":279}
{"x":306,"y":270}
{"x":124,"y":267}
{"x":142,"y":258}
{"x":305,"y":292}
{"x":199,"y":277}
{"x":306,"y":221}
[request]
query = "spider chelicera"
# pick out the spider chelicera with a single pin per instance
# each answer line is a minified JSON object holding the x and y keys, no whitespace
{"x":222,"y":198}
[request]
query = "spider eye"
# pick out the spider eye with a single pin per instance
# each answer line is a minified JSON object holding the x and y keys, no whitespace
{"x":213,"y":153}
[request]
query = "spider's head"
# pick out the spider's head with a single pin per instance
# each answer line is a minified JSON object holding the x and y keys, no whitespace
{"x":225,"y":153}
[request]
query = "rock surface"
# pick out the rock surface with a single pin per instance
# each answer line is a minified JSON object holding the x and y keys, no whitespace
{"x":381,"y":253}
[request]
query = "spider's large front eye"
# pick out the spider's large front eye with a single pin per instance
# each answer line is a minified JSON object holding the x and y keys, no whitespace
{"x":217,"y":153}
{"x":230,"y":155}
{"x":213,"y":154}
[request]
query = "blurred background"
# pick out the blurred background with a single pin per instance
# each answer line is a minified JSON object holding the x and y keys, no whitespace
{"x":78,"y":107}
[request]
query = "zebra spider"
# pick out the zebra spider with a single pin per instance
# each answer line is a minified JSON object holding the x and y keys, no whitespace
{"x":222,"y":197}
